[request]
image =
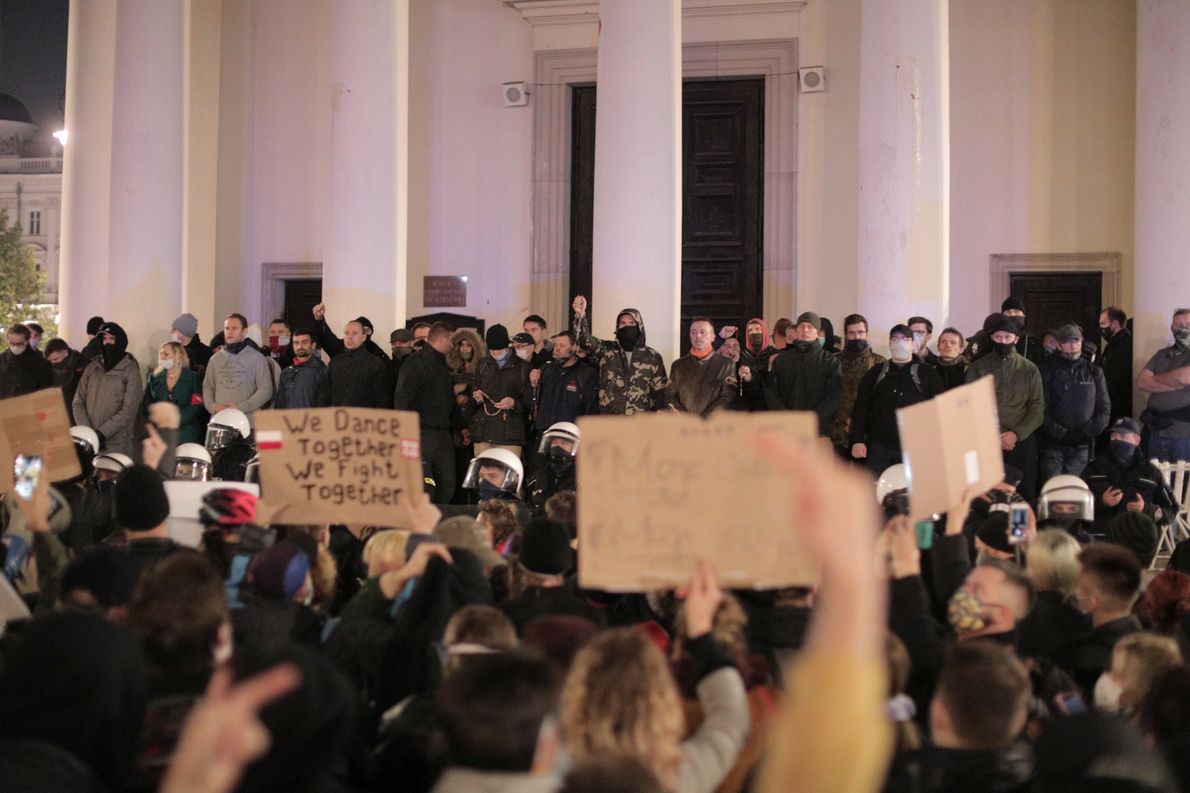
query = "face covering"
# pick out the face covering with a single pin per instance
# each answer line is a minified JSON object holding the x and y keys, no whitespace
{"x":821,"y":341}
{"x":167,"y":364}
{"x":1107,"y":333}
{"x":283,"y":341}
{"x":964,"y":612}
{"x":901,"y":349}
{"x":755,"y":340}
{"x":466,"y":355}
{"x":855,"y":345}
{"x":1182,"y":336}
{"x":18,"y":349}
{"x":1107,"y":693}
{"x":803,"y":346}
{"x":176,"y":336}
{"x":487,"y":490}
{"x":561,"y":462}
{"x":499,"y":355}
{"x":1004,"y":348}
{"x":111,"y":356}
{"x":524,"y":353}
{"x":1122,"y":452}
{"x":1019,"y":321}
{"x":919,"y":340}
{"x":628,"y":336}
{"x":237,"y":347}
{"x":35,"y":343}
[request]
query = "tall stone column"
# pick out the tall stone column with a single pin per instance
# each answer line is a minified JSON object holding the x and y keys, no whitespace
{"x":903,"y":163}
{"x":86,"y":169}
{"x":364,"y":266}
{"x":638,"y":169}
{"x":1161,"y":275}
{"x":147,"y":178}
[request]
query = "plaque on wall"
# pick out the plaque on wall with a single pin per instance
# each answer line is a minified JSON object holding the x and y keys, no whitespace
{"x":445,"y":291}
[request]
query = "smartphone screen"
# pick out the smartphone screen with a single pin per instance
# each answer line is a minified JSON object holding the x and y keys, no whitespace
{"x":26,"y":470}
{"x":1017,"y":522}
{"x":925,"y":534}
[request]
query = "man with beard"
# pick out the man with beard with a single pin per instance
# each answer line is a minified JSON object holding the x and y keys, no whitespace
{"x":22,"y":369}
{"x":701,"y":382}
{"x":1166,"y":378}
{"x":1076,"y":406}
{"x":566,"y":388}
{"x":806,"y":376}
{"x":855,"y":360}
{"x":631,"y":374}
{"x":301,"y":380}
{"x":109,"y":394}
{"x":1020,"y":399}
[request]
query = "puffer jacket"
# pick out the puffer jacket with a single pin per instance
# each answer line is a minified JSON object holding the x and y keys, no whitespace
{"x":806,"y":379}
{"x":854,"y":366}
{"x":625,"y":387}
{"x":108,"y":402}
{"x":1077,"y":406}
{"x":488,"y":424}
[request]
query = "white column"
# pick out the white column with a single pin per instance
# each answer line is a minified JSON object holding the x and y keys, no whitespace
{"x":638,"y":171}
{"x":364,"y":266}
{"x":86,"y":168}
{"x":903,"y":163}
{"x":1161,"y":274}
{"x":145,"y":284}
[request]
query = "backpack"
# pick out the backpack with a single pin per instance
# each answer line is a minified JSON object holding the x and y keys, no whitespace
{"x":912,"y":373}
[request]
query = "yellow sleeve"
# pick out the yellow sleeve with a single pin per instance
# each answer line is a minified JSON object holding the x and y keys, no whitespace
{"x":831,"y":733}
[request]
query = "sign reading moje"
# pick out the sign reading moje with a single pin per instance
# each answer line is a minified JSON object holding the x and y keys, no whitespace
{"x":659,"y":492}
{"x":339,"y":465}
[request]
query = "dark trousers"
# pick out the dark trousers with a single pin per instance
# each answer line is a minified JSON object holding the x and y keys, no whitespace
{"x":438,"y":450}
{"x":1024,"y":457}
{"x":881,"y":457}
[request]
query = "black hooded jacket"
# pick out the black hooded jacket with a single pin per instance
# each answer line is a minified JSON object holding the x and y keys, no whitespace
{"x":24,"y":373}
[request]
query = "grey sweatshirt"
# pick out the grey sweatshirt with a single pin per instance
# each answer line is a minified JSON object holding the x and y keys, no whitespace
{"x":244,"y":378}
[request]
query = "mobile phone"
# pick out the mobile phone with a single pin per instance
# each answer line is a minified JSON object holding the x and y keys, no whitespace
{"x":26,"y":471}
{"x":1018,"y":520}
{"x":1070,"y":703}
{"x":925,"y":534}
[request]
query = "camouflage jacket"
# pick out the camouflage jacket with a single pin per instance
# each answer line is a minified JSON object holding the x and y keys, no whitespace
{"x":855,"y":366}
{"x":625,"y":386}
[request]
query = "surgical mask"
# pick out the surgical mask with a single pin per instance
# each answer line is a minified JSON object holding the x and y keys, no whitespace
{"x":167,"y":364}
{"x":821,"y":341}
{"x":177,"y":337}
{"x":1122,"y":452}
{"x":1182,"y":336}
{"x":466,"y":355}
{"x":755,"y":340}
{"x":524,"y":353}
{"x":628,"y":336}
{"x":1004,"y":348}
{"x":855,"y":345}
{"x":901,"y":349}
{"x":18,"y":349}
{"x":488,"y":491}
{"x":283,"y":341}
{"x":35,"y":343}
{"x":964,"y":612}
{"x":1107,"y":693}
{"x":499,"y":355}
{"x":919,"y":340}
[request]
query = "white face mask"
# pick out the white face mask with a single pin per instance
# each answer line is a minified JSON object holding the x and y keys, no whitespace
{"x":167,"y":364}
{"x":1107,"y":693}
{"x":524,"y":353}
{"x":18,"y":349}
{"x":176,"y":336}
{"x":919,"y":340}
{"x":35,"y":343}
{"x":283,"y":341}
{"x":901,"y":349}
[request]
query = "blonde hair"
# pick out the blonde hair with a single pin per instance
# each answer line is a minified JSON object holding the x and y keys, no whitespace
{"x":384,"y":548}
{"x":727,"y":628}
{"x":1053,"y":561}
{"x":181,"y":359}
{"x":1142,"y":657}
{"x":620,"y":698}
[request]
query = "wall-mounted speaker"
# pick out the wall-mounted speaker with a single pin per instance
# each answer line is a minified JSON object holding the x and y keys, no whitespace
{"x":812,"y":78}
{"x":516,"y":94}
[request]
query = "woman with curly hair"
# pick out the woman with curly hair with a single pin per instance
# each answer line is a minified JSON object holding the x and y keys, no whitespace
{"x":620,"y":698}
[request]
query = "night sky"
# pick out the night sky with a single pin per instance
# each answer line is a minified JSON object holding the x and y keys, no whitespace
{"x":33,"y":62}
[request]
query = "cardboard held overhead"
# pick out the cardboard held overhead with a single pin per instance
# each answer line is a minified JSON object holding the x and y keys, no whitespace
{"x":950,"y":444}
{"x":659,"y":492}
{"x":37,"y":424}
{"x":339,"y":465}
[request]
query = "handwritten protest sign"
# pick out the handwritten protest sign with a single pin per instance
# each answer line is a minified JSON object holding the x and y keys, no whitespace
{"x":949,"y":444}
{"x":37,"y":424}
{"x":339,"y":465}
{"x":659,"y":492}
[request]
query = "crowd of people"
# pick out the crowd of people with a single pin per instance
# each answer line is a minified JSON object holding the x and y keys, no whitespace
{"x":1022,"y":641}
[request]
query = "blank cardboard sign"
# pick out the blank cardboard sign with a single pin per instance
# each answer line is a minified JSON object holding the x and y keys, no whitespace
{"x":37,"y":424}
{"x":949,"y":444}
{"x":339,"y":465}
{"x":659,"y":492}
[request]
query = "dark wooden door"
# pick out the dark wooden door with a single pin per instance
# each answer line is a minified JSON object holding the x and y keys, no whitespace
{"x":722,"y":198}
{"x":1053,"y":299}
{"x":301,"y":295}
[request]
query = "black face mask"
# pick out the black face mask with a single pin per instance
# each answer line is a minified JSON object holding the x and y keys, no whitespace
{"x":401,"y":352}
{"x":855,"y":345}
{"x":805,"y":346}
{"x":1122,"y":452}
{"x":628,"y":336}
{"x":755,"y":340}
{"x":1107,"y":333}
{"x":1020,"y":322}
{"x":1004,"y":348}
{"x":561,"y":462}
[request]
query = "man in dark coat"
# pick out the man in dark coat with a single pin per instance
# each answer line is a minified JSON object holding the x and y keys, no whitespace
{"x":424,"y":387}
{"x":565,"y":388}
{"x":499,"y":411}
{"x":753,"y":368}
{"x":334,"y":346}
{"x":22,"y":369}
{"x":1123,"y":480}
{"x":302,"y":380}
{"x":631,"y":374}
{"x":701,"y":382}
{"x":355,"y":378}
{"x":1076,"y":406}
{"x":1116,"y":361}
{"x":806,"y":376}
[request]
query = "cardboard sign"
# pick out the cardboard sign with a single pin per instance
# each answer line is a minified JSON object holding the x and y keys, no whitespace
{"x":338,"y":465}
{"x":659,"y":492}
{"x":185,"y":501}
{"x":949,"y":444}
{"x":37,"y":424}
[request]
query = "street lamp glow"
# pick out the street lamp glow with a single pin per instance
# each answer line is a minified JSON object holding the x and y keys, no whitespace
{"x":62,"y":135}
